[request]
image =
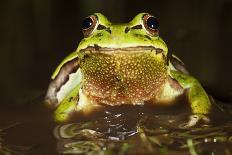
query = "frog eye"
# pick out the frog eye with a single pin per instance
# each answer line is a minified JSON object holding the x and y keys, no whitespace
{"x":89,"y":25}
{"x":151,"y":24}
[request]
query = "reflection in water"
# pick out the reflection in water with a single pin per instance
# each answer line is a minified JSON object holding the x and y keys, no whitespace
{"x":137,"y":131}
{"x":116,"y":130}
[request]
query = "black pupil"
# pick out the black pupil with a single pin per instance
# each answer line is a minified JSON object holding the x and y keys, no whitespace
{"x":153,"y":23}
{"x":87,"y":23}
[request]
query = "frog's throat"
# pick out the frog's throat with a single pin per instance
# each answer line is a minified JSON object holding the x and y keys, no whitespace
{"x":123,"y":75}
{"x":126,"y":50}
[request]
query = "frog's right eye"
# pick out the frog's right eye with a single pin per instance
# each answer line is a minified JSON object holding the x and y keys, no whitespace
{"x":89,"y":24}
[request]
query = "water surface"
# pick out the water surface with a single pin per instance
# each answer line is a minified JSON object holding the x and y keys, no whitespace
{"x":29,"y":129}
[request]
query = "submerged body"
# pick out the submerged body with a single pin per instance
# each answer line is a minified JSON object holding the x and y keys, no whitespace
{"x":119,"y":64}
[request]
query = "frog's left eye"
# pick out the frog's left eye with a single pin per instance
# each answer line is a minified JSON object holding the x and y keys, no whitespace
{"x":151,"y":24}
{"x":89,"y":24}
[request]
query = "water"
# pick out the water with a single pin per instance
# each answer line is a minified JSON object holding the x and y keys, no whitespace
{"x":29,"y":129}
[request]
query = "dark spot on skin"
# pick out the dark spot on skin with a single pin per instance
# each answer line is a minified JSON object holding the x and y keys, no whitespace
{"x":136,"y":35}
{"x":108,"y":30}
{"x":96,"y":47}
{"x":137,"y":27}
{"x":98,"y":35}
{"x":70,"y":99}
{"x":147,"y":37}
{"x":85,"y":57}
{"x":158,"y":50}
{"x":127,"y":29}
{"x":101,"y":27}
{"x":164,"y":57}
{"x":139,"y":35}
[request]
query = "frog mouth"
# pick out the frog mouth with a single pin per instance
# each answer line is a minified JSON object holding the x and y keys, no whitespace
{"x":125,"y":50}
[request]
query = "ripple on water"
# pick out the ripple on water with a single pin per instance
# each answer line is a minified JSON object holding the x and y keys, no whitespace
{"x":140,"y":130}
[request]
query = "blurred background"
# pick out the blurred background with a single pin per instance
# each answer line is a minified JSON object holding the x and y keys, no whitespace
{"x":35,"y":35}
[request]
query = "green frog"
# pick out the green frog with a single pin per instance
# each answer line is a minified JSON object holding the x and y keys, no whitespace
{"x":123,"y":64}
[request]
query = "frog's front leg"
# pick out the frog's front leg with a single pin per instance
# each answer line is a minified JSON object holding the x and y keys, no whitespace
{"x":64,"y":93}
{"x":198,"y":98}
{"x":70,"y":99}
{"x":63,"y":90}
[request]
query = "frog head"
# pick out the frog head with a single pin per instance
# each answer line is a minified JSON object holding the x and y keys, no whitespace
{"x":142,"y":31}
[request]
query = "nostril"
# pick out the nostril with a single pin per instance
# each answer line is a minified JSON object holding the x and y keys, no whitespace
{"x":127,"y":29}
{"x":101,"y":27}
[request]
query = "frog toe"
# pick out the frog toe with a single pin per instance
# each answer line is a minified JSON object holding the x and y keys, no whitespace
{"x":194,"y":119}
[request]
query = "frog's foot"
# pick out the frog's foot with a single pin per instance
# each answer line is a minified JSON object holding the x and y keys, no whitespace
{"x":193,"y":120}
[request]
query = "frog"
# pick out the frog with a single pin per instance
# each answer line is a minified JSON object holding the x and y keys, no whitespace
{"x":123,"y":64}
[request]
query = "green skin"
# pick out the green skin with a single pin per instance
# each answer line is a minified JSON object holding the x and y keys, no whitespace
{"x":101,"y":50}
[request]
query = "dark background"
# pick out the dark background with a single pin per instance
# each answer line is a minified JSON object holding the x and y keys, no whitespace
{"x":35,"y":35}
